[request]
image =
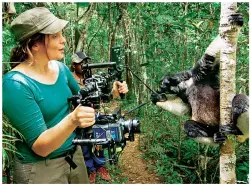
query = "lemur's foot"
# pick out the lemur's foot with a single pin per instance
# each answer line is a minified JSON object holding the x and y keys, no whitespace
{"x":219,"y":137}
{"x":236,"y":19}
{"x":196,"y":129}
{"x":230,"y":129}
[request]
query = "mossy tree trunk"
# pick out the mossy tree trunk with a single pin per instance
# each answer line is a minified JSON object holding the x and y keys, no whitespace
{"x":229,"y":35}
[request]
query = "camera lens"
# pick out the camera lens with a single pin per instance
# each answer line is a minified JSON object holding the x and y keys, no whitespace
{"x":136,"y":125}
{"x":131,"y":124}
{"x":87,"y":89}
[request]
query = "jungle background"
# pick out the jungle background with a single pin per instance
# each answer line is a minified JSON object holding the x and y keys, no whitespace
{"x":156,"y":38}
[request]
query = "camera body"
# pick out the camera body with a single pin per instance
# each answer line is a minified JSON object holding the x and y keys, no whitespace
{"x":109,"y":131}
{"x":114,"y":127}
{"x":109,"y":128}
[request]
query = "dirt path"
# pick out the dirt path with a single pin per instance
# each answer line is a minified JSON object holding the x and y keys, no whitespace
{"x":134,"y":167}
{"x":131,"y":163}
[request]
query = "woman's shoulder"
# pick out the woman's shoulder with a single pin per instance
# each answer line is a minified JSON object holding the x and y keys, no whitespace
{"x":14,"y":76}
{"x":15,"y":80}
{"x":17,"y":74}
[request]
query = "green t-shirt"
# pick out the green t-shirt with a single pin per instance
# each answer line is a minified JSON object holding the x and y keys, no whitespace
{"x":33,"y":107}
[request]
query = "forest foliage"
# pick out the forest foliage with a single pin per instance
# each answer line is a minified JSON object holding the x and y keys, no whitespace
{"x":157,"y":38}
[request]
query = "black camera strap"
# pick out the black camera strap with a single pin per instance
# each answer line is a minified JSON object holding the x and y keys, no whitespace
{"x":147,"y":86}
{"x":69,"y":158}
{"x":70,"y":162}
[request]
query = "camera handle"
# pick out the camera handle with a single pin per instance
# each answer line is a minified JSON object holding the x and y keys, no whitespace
{"x":88,"y":130}
{"x":91,"y":141}
{"x":122,"y":96}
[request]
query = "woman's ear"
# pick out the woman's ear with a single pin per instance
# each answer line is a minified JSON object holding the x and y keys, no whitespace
{"x":35,"y":46}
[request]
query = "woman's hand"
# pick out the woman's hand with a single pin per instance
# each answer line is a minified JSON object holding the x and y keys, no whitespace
{"x":83,"y":116}
{"x":119,"y":87}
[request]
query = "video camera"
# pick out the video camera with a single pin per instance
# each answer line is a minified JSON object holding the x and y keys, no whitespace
{"x":109,"y":131}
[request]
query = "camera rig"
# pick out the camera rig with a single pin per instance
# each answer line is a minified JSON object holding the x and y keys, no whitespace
{"x":109,"y":129}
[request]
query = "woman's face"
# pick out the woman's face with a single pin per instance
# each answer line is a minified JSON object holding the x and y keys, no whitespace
{"x":54,"y":45}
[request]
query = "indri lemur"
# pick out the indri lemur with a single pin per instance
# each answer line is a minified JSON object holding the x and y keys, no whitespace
{"x":198,"y":95}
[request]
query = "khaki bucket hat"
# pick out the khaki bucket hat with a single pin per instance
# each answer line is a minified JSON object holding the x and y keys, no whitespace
{"x":79,"y":57}
{"x":36,"y":20}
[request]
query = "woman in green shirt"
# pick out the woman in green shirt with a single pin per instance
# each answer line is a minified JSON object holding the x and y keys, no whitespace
{"x":35,"y":96}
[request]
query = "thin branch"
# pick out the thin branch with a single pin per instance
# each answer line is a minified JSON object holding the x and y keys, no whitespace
{"x":88,"y":9}
{"x":96,"y":32}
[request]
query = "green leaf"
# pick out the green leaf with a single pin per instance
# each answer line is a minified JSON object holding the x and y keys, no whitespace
{"x":216,"y":5}
{"x":83,"y":4}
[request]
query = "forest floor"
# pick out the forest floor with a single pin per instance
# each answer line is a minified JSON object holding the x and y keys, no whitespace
{"x":133,"y":167}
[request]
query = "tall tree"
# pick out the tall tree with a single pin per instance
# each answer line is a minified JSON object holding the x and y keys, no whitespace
{"x":229,"y":35}
{"x":86,"y":18}
{"x":127,"y":40}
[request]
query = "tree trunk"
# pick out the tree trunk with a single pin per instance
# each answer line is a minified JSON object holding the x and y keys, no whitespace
{"x":127,"y":40}
{"x":113,"y":29}
{"x":84,"y":19}
{"x":140,"y":43}
{"x":229,"y":35}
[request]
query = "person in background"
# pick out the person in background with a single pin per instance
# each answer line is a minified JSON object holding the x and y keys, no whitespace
{"x":77,"y":60}
{"x":95,"y":161}
{"x":35,"y":100}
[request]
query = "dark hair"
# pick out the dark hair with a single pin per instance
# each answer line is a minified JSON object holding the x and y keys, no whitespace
{"x":22,"y":52}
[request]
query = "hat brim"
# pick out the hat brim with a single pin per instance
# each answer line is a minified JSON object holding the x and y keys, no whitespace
{"x":79,"y":60}
{"x":55,"y":27}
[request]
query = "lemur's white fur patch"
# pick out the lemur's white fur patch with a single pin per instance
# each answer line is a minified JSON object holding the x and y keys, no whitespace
{"x":214,"y":48}
{"x":175,"y":106}
{"x":186,"y":84}
{"x":182,"y":85}
{"x":243,"y":125}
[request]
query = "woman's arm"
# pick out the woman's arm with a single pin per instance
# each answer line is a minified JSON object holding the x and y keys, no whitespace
{"x":53,"y":138}
{"x":25,"y":115}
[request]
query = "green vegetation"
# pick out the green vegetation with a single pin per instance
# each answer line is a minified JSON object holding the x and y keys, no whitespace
{"x":157,"y":38}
